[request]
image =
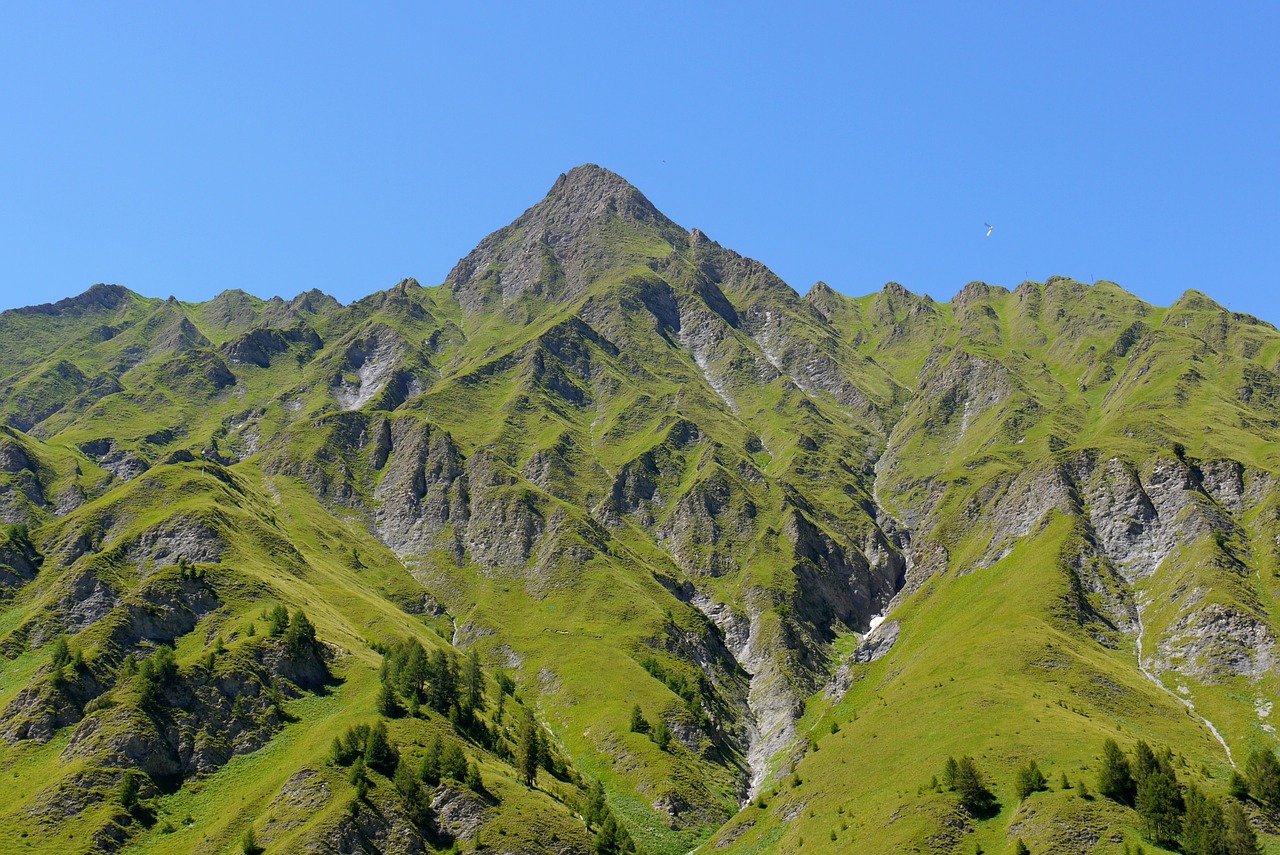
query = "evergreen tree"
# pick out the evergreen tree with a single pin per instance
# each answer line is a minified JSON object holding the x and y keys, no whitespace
{"x":357,"y":774}
{"x":639,"y":724}
{"x":430,"y":771}
{"x":975,"y":797}
{"x":379,"y":753}
{"x":474,"y":680}
{"x":594,"y":808}
{"x":388,"y":702}
{"x":417,"y":803}
{"x":1238,"y":787}
{"x":1159,"y":805}
{"x":1144,"y":762}
{"x":1115,"y":780}
{"x":527,"y":751}
{"x":1262,"y":771}
{"x":453,"y":763}
{"x":1204,"y":831}
{"x":443,"y":682}
{"x":473,"y":780}
{"x":129,"y":787}
{"x":249,"y":842}
{"x":1065,"y":784}
{"x":277,"y":621}
{"x":1020,"y":848}
{"x":300,"y":637}
{"x":1240,"y":837}
{"x":661,"y":735}
{"x":1029,"y":780}
{"x":61,"y":654}
{"x":949,"y":773}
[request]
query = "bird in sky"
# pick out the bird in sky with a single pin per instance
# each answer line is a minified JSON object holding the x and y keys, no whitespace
{"x":990,"y":229}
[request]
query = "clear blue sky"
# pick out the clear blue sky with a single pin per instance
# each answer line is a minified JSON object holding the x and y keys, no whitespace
{"x":184,"y":148}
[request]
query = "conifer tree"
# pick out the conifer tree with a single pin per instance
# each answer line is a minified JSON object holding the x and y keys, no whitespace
{"x":1029,"y":780}
{"x":1159,"y":805}
{"x":1144,"y":762}
{"x":527,"y":750}
{"x":129,"y":787}
{"x":593,"y":809}
{"x":474,"y":679}
{"x":388,"y":703}
{"x":379,"y":753}
{"x":277,"y":621}
{"x":975,"y":797}
{"x":430,"y":771}
{"x":417,"y":803}
{"x":1115,"y":780}
{"x":473,"y":780}
{"x":1262,"y":771}
{"x":639,"y":724}
{"x":661,"y":735}
{"x":1240,"y":837}
{"x":949,"y":773}
{"x":1204,"y":831}
{"x":453,"y":763}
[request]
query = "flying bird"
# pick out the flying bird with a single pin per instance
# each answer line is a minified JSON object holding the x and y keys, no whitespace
{"x":990,"y":229}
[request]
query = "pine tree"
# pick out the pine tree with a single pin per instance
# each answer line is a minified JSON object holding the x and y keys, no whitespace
{"x":1159,"y":805}
{"x":443,"y":681}
{"x":949,"y":773}
{"x":1238,"y":787}
{"x":1204,"y":831}
{"x":249,"y":842}
{"x":1115,"y":780}
{"x":473,"y":780}
{"x":129,"y":787}
{"x":1240,"y":837}
{"x":388,"y":703}
{"x":474,"y":679}
{"x":1262,"y":771}
{"x":300,"y":637}
{"x":417,"y":803}
{"x":527,"y":751}
{"x":1020,"y":848}
{"x":661,"y":735}
{"x":277,"y":621}
{"x":975,"y":797}
{"x":639,"y":724}
{"x":1144,"y":762}
{"x":594,"y":808}
{"x":453,"y":763}
{"x":1029,"y":780}
{"x":379,"y":753}
{"x":430,"y":771}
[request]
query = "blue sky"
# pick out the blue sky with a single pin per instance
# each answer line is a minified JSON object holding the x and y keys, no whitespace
{"x":189,"y":148}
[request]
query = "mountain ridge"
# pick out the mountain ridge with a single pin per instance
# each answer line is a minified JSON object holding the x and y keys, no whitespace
{"x":607,"y":445}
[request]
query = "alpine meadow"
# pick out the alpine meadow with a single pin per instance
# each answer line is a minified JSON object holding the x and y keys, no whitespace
{"x":613,"y":542}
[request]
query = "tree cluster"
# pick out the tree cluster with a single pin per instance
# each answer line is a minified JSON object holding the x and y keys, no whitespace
{"x":659,"y":733}
{"x":1173,"y":815}
{"x":968,"y":783}
{"x":692,"y":692}
{"x":611,"y":837}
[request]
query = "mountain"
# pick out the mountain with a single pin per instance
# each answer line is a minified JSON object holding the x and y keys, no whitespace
{"x":659,"y":553}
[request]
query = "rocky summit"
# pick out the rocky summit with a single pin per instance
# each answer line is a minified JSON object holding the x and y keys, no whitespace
{"x":614,"y":542}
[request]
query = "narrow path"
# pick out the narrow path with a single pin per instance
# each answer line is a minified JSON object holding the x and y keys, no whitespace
{"x":1150,"y":675}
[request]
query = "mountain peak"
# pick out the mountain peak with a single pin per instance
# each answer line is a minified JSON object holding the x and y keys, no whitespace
{"x":557,"y":247}
{"x":98,"y":298}
{"x":592,"y":190}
